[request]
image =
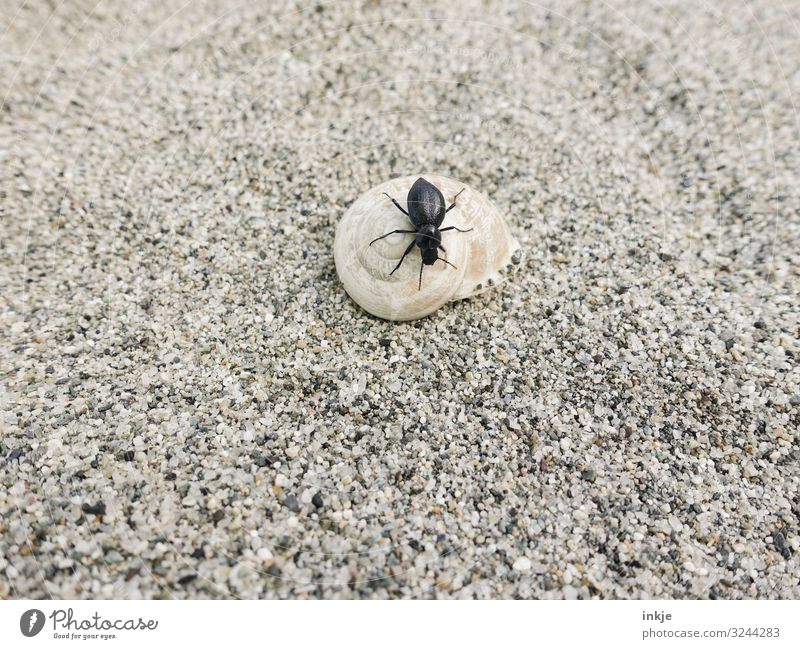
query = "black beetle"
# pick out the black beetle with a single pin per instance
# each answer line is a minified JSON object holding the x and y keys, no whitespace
{"x":426,"y":211}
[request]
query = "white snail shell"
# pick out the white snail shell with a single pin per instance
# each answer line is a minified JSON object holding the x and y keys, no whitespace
{"x":483,"y":257}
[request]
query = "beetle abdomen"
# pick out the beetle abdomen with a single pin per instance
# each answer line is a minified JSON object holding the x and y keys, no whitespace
{"x":425,"y":203}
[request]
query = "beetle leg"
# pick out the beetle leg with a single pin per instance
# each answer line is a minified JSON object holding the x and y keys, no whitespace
{"x":453,"y":227}
{"x":421,"y":266}
{"x":454,"y":201}
{"x":410,"y":246}
{"x":397,"y":204}
{"x":447,"y":262}
{"x":393,"y":232}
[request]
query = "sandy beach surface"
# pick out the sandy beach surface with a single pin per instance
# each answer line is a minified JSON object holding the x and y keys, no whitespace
{"x":191,"y":405}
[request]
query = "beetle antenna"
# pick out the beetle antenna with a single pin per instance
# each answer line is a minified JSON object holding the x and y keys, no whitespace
{"x":447,"y":262}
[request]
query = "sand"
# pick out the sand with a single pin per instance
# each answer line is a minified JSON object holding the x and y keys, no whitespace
{"x":191,"y":405}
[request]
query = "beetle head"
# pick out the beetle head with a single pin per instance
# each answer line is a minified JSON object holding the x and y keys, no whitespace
{"x":429,"y":256}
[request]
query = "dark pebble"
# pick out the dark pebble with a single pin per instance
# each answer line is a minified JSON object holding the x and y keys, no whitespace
{"x":779,"y":540}
{"x":291,"y":502}
{"x":15,"y":454}
{"x":98,"y":509}
{"x":187,"y":578}
{"x":128,"y":456}
{"x":317,"y":500}
{"x":589,"y":475}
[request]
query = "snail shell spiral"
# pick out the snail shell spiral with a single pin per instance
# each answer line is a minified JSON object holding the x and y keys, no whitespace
{"x":482,"y":258}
